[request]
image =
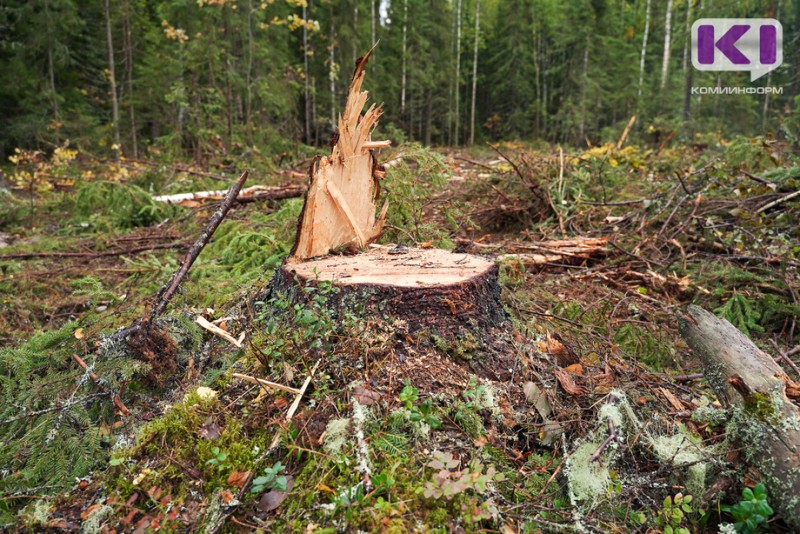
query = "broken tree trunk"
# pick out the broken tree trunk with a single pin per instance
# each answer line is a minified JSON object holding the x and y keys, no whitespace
{"x":340,"y":205}
{"x":765,"y":421}
{"x":428,"y":293}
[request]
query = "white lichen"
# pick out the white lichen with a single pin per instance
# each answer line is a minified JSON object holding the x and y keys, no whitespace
{"x":363,"y":466}
{"x":336,"y":435}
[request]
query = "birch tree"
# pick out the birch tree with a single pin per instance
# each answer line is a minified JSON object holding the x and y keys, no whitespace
{"x":474,"y":72}
{"x":112,"y":78}
{"x":644,"y":48}
{"x":667,"y":45}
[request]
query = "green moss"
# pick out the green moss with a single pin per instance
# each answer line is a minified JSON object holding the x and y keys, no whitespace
{"x":762,"y":406}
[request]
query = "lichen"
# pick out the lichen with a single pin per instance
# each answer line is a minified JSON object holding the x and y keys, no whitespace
{"x":94,"y":523}
{"x":336,"y":435}
{"x":681,"y":452}
{"x":588,"y":481}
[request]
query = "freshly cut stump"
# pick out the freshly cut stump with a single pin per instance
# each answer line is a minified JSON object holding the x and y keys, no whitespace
{"x":444,"y":292}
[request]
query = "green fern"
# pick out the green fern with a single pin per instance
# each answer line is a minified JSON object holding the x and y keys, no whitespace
{"x":741,"y":313}
{"x":116,"y":205}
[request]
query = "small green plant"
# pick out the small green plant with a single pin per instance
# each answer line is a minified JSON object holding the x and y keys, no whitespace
{"x":220,"y":459}
{"x":751,"y":514}
{"x":742,"y":313}
{"x":673,"y":512}
{"x":271,"y":479}
{"x":419,"y":412}
{"x":475,"y":394}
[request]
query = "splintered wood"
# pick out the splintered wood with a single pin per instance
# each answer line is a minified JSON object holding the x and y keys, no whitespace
{"x":340,"y":205}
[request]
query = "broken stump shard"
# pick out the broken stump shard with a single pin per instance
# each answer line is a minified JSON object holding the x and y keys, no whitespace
{"x":340,"y":205}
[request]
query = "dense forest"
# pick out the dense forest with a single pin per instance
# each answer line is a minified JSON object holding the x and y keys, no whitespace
{"x":211,"y":76}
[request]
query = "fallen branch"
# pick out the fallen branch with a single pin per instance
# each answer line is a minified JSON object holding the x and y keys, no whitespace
{"x":99,"y":254}
{"x":266,"y":383}
{"x":198,"y":246}
{"x":785,"y":357}
{"x":249,"y":194}
{"x":612,"y":435}
{"x":776,"y":202}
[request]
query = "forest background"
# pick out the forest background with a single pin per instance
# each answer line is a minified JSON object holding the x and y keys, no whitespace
{"x":206,"y":78}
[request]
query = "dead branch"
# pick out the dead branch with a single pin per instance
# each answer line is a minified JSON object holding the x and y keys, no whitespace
{"x":166,"y":294}
{"x":100,"y":254}
{"x":777,"y":202}
{"x":248,"y":194}
{"x":785,"y":357}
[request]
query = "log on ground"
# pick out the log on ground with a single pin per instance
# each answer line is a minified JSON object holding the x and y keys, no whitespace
{"x":765,"y":422}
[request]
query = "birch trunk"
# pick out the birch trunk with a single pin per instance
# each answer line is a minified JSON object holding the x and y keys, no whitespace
{"x":644,"y":48}
{"x":458,"y":73}
{"x":667,"y":45}
{"x":584,"y":79}
{"x":112,"y":74}
{"x":474,"y":73}
{"x":404,"y":74}
{"x":372,"y":17}
{"x":129,"y":77}
{"x":332,"y":75}
{"x":306,"y":89}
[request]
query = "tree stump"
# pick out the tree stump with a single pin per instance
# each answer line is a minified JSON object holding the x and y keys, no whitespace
{"x":432,"y":289}
{"x":441,"y":300}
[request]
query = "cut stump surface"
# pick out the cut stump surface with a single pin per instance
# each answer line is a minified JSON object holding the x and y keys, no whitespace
{"x":442,"y":291}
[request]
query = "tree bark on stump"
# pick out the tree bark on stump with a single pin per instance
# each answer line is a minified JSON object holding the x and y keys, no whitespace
{"x":765,"y":420}
{"x":426,"y":288}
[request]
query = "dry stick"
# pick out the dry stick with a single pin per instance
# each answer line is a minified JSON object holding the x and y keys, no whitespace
{"x":198,"y":246}
{"x":265,"y":383}
{"x":687,"y":378}
{"x":794,"y":351}
{"x":785,"y":357}
{"x":774,"y":203}
{"x":101,"y":254}
{"x":760,"y":180}
{"x":612,"y":435}
{"x":117,"y":401}
{"x":624,"y":135}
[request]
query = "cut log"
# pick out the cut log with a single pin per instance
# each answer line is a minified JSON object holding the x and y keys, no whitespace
{"x":433,"y":289}
{"x":765,"y":422}
{"x":340,"y":205}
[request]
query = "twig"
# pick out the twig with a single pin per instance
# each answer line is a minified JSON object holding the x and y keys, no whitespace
{"x":760,"y":180}
{"x":265,"y":383}
{"x":117,"y":402}
{"x":687,"y":378}
{"x":612,"y":432}
{"x":202,"y":241}
{"x":774,"y":203}
{"x":612,"y":435}
{"x":785,"y":357}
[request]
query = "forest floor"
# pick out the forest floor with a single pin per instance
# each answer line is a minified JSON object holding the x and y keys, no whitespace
{"x":604,"y":423}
